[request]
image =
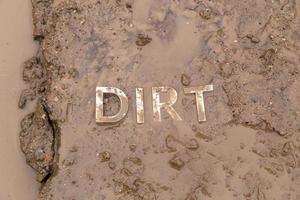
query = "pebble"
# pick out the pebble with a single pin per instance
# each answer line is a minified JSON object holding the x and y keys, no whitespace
{"x":185,"y":80}
{"x":105,"y":156}
{"x":176,"y":163}
{"x":39,"y":155}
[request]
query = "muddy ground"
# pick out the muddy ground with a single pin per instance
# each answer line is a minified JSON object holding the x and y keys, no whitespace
{"x":248,"y":148}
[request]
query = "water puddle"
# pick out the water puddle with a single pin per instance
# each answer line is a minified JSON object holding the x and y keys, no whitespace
{"x":16,"y":45}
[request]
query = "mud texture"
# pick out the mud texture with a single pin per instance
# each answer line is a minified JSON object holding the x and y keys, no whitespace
{"x":38,"y":141}
{"x":249,"y":148}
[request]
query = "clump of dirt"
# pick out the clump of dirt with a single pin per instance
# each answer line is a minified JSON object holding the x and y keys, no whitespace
{"x":143,"y":40}
{"x":34,"y":74}
{"x":38,"y":141}
{"x":249,"y":147}
{"x":40,"y":15}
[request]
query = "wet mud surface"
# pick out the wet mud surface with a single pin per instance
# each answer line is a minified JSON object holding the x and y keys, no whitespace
{"x":16,"y":45}
{"x":248,"y":148}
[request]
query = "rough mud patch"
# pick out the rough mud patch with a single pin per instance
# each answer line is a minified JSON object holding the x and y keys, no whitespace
{"x":38,"y":138}
{"x":249,"y":51}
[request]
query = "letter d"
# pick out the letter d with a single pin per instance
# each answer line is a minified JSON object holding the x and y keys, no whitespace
{"x":100,"y":118}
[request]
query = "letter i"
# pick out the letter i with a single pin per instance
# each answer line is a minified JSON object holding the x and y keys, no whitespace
{"x":140,"y":114}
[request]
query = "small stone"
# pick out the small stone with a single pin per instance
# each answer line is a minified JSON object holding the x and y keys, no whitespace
{"x":132,"y":147}
{"x":205,"y":13}
{"x":176,"y":163}
{"x":253,"y":38}
{"x":105,"y":156}
{"x":39,"y":155}
{"x":82,"y":22}
{"x":185,"y":80}
{"x":170,"y":143}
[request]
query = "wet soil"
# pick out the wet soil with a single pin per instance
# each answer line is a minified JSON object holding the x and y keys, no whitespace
{"x":248,"y":148}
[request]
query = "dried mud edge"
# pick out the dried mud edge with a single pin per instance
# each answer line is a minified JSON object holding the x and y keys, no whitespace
{"x":40,"y":133}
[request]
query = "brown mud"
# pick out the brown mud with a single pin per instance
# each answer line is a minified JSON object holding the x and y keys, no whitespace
{"x":16,"y":45}
{"x":249,"y":147}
